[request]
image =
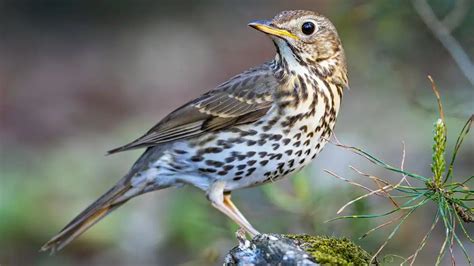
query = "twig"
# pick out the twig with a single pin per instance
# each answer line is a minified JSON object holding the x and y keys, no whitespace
{"x":438,"y":98}
{"x":404,"y":217}
{"x":380,"y":226}
{"x":361,"y":197}
{"x":453,"y":261}
{"x":442,"y":33}
{"x":349,"y":181}
{"x":454,"y":18}
{"x":402,"y":164}
{"x":377,"y":180}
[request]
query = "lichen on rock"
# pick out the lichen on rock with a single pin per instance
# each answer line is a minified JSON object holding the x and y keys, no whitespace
{"x":332,"y":251}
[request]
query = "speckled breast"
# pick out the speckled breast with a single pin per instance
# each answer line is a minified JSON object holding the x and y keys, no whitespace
{"x":282,"y":142}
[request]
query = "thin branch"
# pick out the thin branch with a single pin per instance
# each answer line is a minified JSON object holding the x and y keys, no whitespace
{"x":386,"y":189}
{"x":349,"y":181}
{"x":402,"y":164}
{"x":394,"y":231}
{"x":451,"y":247}
{"x":381,"y":226}
{"x":363,"y":196}
{"x":438,"y":98}
{"x":455,"y":17}
{"x":442,"y":33}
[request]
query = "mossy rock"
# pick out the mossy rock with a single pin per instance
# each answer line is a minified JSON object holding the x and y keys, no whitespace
{"x":275,"y":249}
{"x":332,"y":251}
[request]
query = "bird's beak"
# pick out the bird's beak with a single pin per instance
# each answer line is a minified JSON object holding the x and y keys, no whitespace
{"x":267,"y":27}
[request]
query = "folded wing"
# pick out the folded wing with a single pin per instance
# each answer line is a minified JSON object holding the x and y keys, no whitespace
{"x":243,"y":99}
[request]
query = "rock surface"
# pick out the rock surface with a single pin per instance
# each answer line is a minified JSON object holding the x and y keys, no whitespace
{"x":275,"y":249}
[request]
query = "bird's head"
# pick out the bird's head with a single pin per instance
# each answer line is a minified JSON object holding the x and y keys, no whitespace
{"x":302,"y":36}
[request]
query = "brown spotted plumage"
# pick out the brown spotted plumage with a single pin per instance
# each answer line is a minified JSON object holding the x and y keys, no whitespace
{"x":259,"y":126}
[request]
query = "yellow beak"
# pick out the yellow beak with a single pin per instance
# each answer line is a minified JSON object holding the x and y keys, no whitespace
{"x":266,"y":27}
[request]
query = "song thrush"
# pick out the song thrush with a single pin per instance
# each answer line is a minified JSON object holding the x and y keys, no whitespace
{"x":261,"y":125}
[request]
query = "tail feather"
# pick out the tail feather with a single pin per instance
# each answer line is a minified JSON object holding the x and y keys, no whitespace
{"x":107,"y":203}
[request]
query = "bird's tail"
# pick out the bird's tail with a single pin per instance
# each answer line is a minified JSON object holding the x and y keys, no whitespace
{"x":111,"y":200}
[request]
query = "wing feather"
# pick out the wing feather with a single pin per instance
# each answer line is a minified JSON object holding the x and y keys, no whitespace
{"x":243,"y":99}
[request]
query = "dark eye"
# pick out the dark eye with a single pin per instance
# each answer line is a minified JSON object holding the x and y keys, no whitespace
{"x":308,"y":28}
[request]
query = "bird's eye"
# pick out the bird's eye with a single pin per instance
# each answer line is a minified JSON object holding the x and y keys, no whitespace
{"x":308,"y":28}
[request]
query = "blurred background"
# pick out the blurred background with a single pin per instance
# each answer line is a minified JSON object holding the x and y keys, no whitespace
{"x":78,"y":78}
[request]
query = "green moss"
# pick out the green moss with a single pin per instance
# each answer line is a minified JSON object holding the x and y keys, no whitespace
{"x":333,"y":251}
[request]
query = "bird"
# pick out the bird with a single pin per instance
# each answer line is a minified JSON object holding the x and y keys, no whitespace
{"x":258,"y":127}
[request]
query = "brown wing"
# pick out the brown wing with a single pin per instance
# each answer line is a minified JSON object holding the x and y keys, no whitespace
{"x":243,"y":99}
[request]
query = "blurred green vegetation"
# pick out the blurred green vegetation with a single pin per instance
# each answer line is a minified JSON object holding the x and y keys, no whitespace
{"x":77,"y":78}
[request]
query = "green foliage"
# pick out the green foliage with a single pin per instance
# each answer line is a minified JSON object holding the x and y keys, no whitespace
{"x":451,"y":198}
{"x":333,"y":251}
{"x":439,"y":164}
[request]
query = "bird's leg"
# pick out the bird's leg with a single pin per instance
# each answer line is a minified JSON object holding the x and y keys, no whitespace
{"x":234,"y":209}
{"x":223,"y":204}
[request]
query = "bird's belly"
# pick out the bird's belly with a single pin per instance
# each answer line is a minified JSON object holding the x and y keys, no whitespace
{"x":251,"y":154}
{"x":278,"y":157}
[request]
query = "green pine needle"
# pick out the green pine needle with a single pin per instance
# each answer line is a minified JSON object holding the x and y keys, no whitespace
{"x":451,"y":198}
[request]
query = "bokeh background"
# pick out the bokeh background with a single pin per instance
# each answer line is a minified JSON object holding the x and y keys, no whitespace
{"x":80,"y":77}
